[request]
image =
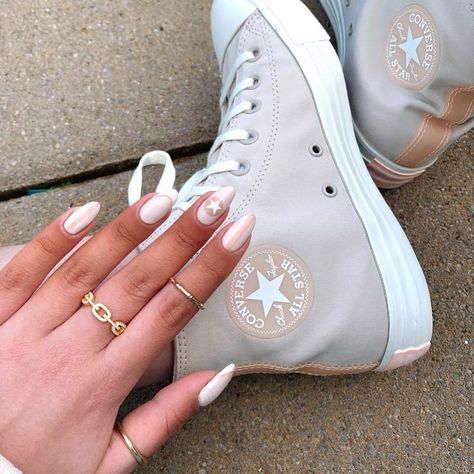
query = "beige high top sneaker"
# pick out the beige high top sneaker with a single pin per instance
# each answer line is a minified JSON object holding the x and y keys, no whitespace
{"x":409,"y":68}
{"x":330,"y":283}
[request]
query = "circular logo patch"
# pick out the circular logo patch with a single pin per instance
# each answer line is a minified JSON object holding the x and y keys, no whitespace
{"x":270,"y":292}
{"x":412,"y":47}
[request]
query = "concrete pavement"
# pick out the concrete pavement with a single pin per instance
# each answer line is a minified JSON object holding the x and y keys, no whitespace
{"x":87,"y":84}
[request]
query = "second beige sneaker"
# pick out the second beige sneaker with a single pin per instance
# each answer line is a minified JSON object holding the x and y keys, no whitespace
{"x":409,"y":69}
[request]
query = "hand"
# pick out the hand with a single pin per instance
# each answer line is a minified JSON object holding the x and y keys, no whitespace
{"x":63,"y":372}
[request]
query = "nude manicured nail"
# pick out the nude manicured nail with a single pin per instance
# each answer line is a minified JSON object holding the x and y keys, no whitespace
{"x":216,"y":386}
{"x":238,"y":233}
{"x":81,"y":218}
{"x":157,"y":207}
{"x":215,"y":205}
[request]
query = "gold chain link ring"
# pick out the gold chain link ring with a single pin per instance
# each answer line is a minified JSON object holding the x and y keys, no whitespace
{"x":117,"y":327}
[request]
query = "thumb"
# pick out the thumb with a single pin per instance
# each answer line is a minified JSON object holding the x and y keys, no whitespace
{"x":153,"y":423}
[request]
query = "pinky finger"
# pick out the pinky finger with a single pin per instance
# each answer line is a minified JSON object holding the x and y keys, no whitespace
{"x":152,"y":424}
{"x":20,"y":278}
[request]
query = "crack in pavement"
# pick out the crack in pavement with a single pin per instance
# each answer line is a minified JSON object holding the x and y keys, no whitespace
{"x":100,"y":172}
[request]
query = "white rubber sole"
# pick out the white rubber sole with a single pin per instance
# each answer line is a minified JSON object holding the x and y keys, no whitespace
{"x":407,"y":295}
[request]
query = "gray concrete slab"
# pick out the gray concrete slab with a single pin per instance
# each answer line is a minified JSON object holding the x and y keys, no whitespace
{"x":87,"y":84}
{"x":416,"y":419}
{"x":22,"y":218}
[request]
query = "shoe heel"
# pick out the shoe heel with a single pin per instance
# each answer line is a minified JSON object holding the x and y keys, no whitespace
{"x":333,"y":9}
{"x":300,"y":24}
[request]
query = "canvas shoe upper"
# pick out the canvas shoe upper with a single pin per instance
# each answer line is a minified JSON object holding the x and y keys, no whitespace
{"x":409,"y":68}
{"x":329,"y":284}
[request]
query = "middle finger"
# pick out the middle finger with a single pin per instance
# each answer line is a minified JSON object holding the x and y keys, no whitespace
{"x":126,"y":293}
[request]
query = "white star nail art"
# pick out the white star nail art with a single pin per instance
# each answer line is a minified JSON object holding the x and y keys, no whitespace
{"x":214,"y":206}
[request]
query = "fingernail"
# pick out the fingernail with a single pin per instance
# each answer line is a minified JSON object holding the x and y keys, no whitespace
{"x":81,"y":218}
{"x":215,"y":205}
{"x":157,"y":207}
{"x":216,"y":386}
{"x":238,"y":233}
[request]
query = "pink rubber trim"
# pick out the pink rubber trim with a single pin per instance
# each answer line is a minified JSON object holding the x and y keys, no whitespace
{"x":407,"y":356}
{"x":386,"y":178}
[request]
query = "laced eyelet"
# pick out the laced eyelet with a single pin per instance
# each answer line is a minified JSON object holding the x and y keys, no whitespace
{"x":257,"y":53}
{"x":244,"y":168}
{"x":315,"y":150}
{"x":256,"y":105}
{"x":253,"y":137}
{"x":256,"y":83}
{"x":329,"y":190}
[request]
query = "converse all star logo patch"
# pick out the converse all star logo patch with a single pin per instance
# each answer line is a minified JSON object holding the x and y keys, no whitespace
{"x":412,"y":47}
{"x":270,"y":292}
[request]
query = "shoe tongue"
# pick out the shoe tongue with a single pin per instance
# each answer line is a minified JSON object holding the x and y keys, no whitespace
{"x":211,"y":159}
{"x":231,"y":53}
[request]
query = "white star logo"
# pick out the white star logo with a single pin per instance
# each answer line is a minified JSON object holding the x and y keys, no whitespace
{"x":214,"y":206}
{"x":409,"y":47}
{"x":268,"y":292}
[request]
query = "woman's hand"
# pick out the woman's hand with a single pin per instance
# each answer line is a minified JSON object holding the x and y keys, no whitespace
{"x":63,"y":373}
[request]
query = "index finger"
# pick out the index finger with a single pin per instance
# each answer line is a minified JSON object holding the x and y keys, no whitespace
{"x":22,"y":276}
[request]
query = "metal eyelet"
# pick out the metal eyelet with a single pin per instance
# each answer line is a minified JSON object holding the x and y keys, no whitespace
{"x":329,"y":190}
{"x":244,"y":168}
{"x":256,"y":83}
{"x":316,"y":150}
{"x":257,"y":53}
{"x":256,"y":105}
{"x":253,"y":137}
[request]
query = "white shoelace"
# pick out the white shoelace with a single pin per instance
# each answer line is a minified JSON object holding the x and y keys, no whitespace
{"x":193,"y":186}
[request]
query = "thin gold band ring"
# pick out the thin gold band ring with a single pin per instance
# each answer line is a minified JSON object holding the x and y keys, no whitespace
{"x":139,"y":457}
{"x":186,"y":293}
